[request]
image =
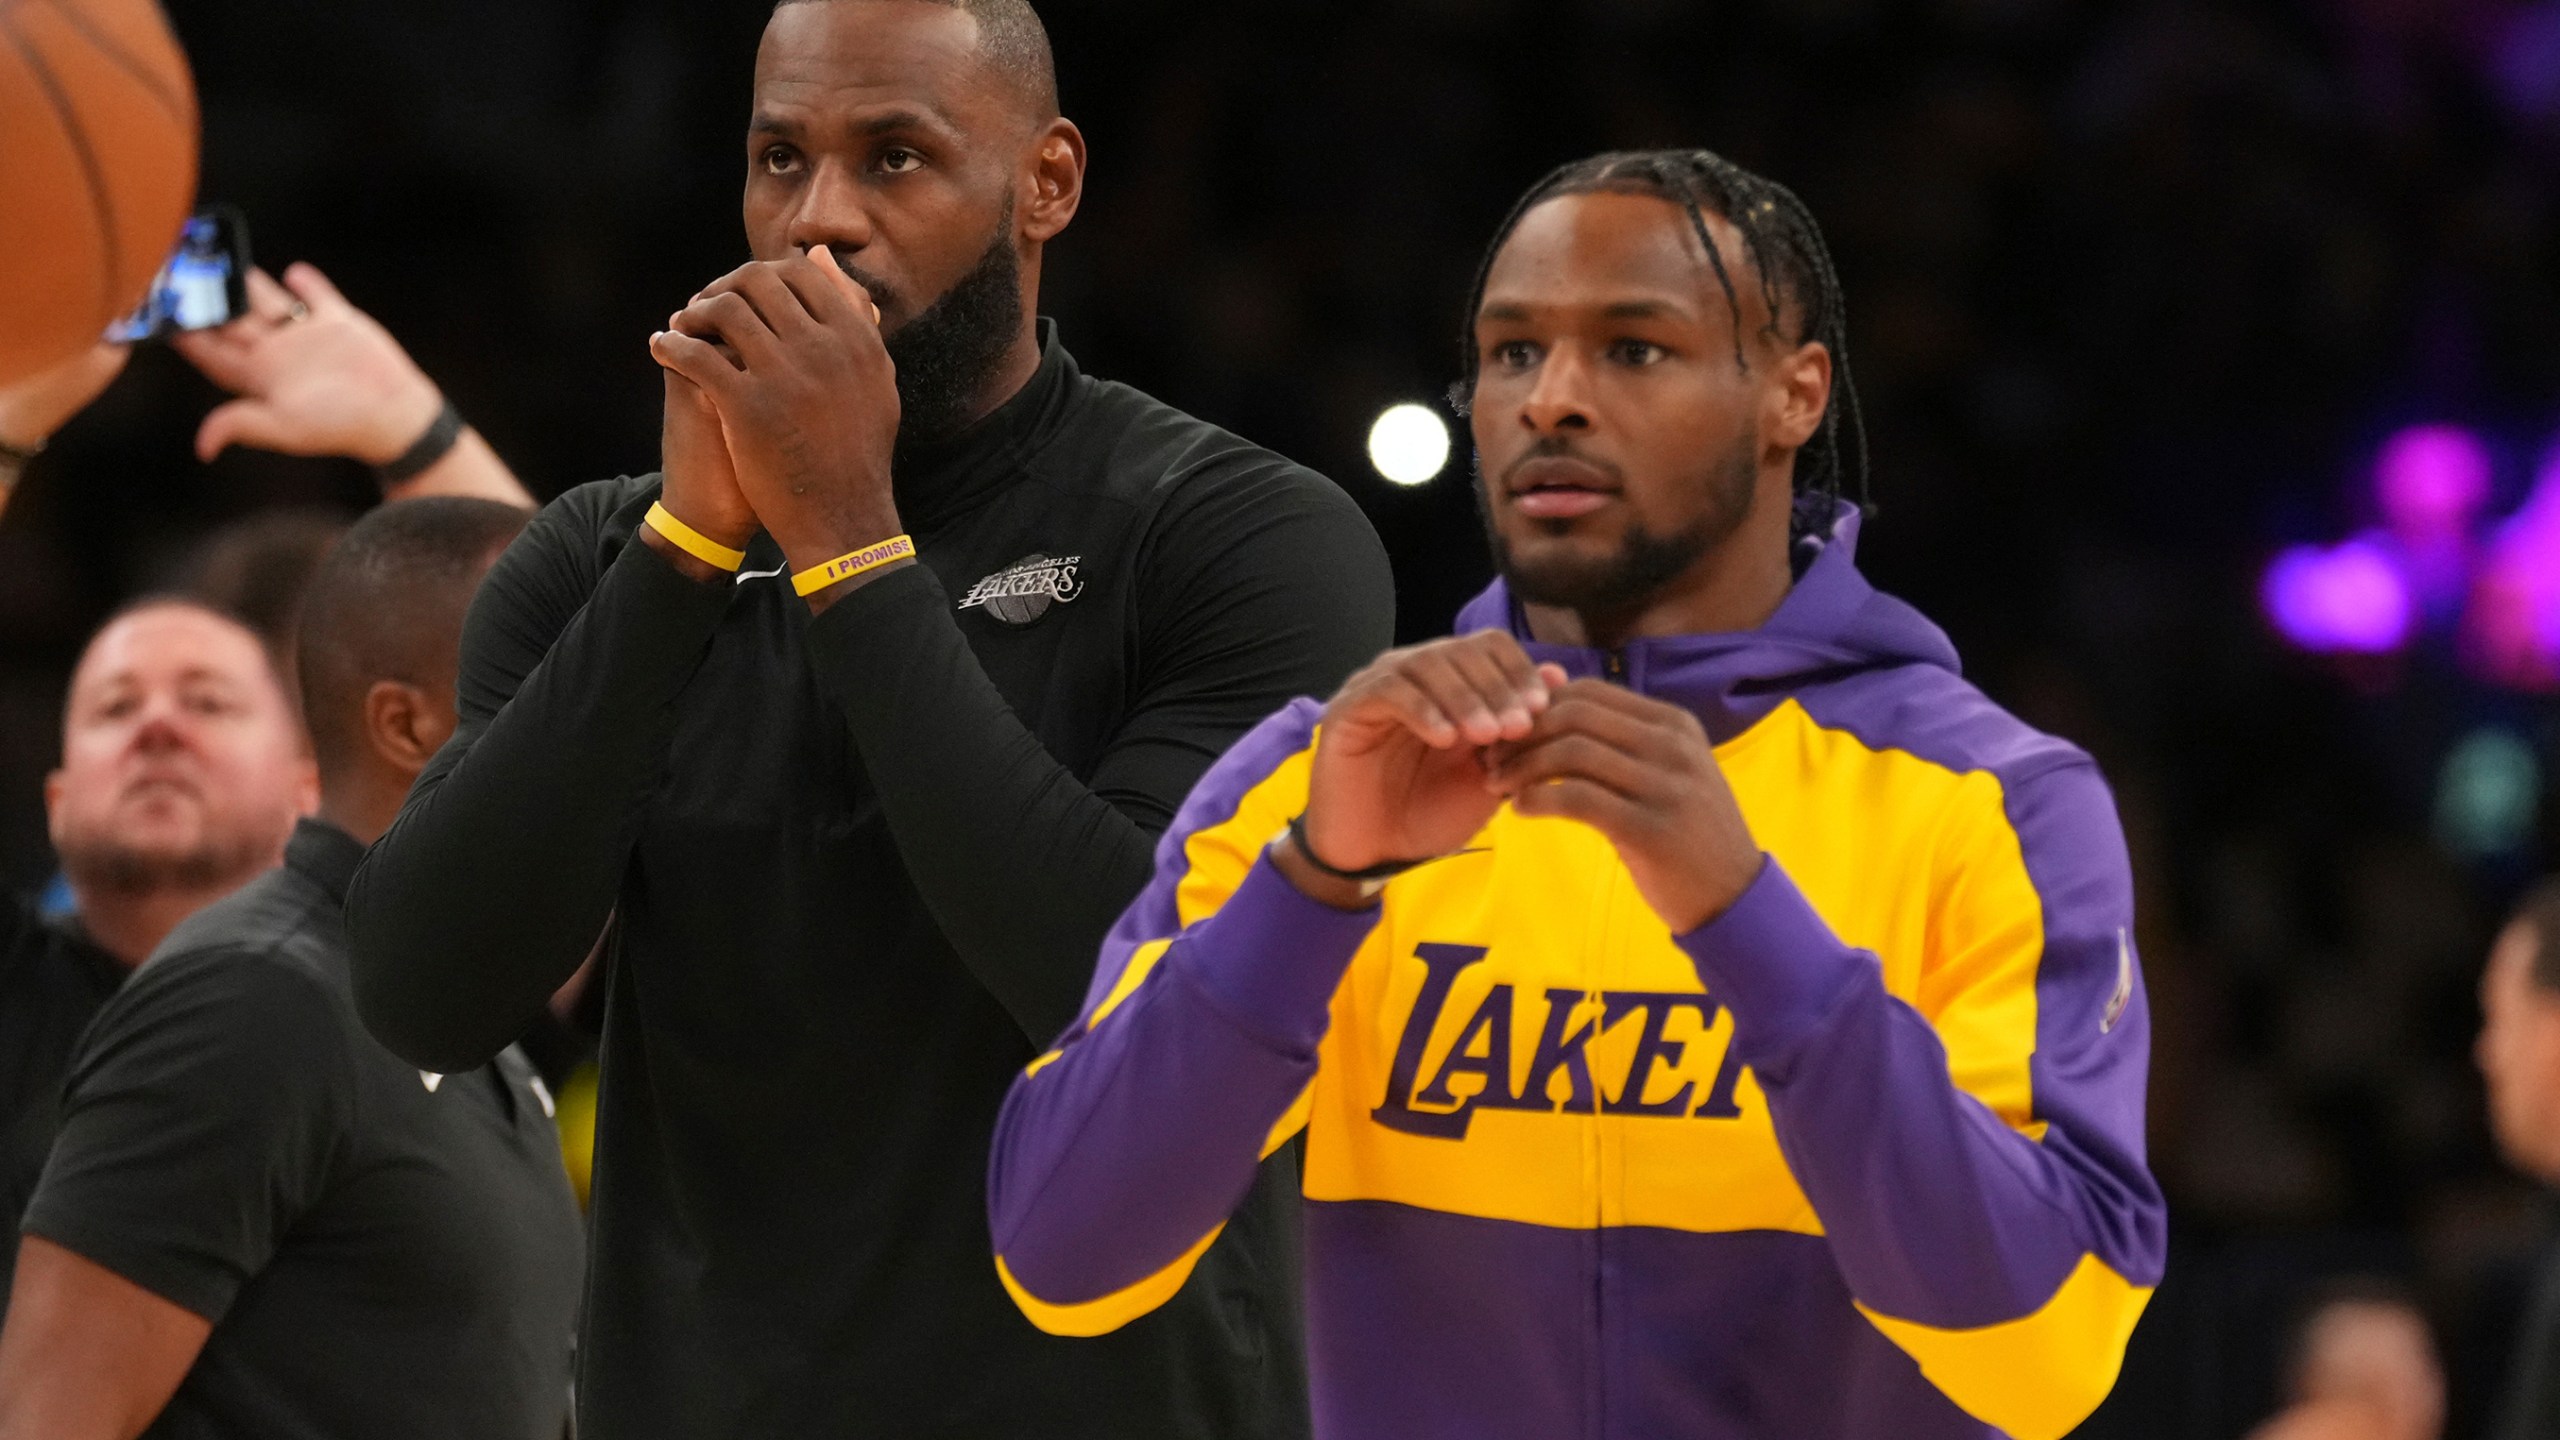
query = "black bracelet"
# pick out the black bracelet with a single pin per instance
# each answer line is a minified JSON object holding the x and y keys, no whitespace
{"x":1384,"y":870}
{"x":431,"y":447}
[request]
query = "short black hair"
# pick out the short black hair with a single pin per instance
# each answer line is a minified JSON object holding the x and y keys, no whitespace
{"x":1788,"y":254}
{"x":255,"y":569}
{"x":2539,"y":914}
{"x":387,"y":604}
{"x":1015,"y":43}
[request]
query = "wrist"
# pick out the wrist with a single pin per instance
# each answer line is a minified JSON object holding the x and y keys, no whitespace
{"x":1308,"y":878}
{"x":404,"y":417}
{"x":692,"y":567}
{"x":730,"y":530}
{"x":811,"y":540}
{"x":444,"y":430}
{"x":15,"y":456}
{"x":834,"y":555}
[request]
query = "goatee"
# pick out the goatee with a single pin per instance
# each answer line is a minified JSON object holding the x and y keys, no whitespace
{"x":1613,"y":587}
{"x":949,"y":354}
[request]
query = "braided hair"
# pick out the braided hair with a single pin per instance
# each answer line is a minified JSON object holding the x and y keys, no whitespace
{"x":1787,"y":253}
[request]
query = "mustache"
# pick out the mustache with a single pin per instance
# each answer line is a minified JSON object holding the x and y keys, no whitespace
{"x":883,"y":294}
{"x":1559,"y":447}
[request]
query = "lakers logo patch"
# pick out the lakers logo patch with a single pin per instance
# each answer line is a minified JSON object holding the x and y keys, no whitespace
{"x":1023,"y":591}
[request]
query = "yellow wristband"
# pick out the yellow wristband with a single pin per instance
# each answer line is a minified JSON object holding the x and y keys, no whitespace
{"x":845,"y":567}
{"x":693,"y":542}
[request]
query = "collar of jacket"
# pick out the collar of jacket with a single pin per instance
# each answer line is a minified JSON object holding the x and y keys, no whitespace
{"x":1832,"y":625}
{"x":935,"y":482}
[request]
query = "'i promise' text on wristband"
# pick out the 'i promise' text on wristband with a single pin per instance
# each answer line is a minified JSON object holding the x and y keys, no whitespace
{"x":846,"y":566}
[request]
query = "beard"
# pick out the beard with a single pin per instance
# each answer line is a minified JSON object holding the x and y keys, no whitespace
{"x":1614,"y":586}
{"x":103,"y":862}
{"x":950,"y":352}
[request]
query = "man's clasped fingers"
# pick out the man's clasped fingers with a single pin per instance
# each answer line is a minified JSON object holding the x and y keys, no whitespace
{"x":1473,"y":690}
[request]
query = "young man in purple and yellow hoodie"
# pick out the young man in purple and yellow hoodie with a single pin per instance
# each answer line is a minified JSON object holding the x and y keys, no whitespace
{"x":1707,"y":1014}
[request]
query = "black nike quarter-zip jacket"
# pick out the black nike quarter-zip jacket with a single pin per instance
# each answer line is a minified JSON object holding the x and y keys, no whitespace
{"x":858,"y":868}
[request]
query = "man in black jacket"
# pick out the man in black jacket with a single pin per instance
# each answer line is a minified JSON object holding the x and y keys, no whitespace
{"x":860,"y":722}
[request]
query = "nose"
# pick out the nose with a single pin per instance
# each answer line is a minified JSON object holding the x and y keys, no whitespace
{"x":832,"y":212}
{"x":1560,"y":398}
{"x":162,"y":730}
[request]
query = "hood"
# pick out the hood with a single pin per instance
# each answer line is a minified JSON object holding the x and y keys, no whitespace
{"x":1831,"y":626}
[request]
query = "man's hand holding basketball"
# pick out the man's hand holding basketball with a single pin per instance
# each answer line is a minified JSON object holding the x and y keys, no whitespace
{"x":790,"y":356}
{"x":1399,"y":765}
{"x":1642,"y":773}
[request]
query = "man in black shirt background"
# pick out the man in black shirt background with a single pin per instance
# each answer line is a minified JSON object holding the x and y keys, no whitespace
{"x":183,"y":766}
{"x":256,"y":1222}
{"x":863,"y":818}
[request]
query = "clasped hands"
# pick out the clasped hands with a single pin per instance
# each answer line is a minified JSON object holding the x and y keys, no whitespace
{"x":781,"y":411}
{"x":1418,"y":750}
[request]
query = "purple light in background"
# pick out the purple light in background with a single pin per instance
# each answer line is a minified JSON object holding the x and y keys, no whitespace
{"x":2514,"y":628}
{"x":2431,"y":481}
{"x":2352,"y":599}
{"x":2524,"y":60}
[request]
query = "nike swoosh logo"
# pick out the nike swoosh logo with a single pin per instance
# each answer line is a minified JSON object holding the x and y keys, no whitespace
{"x":2123,"y":995}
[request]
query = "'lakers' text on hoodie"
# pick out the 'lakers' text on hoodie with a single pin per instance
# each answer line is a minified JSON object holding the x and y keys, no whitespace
{"x":1862,"y":1156}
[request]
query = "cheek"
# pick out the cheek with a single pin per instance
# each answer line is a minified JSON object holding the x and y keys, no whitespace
{"x":768,"y":218}
{"x":90,"y":758}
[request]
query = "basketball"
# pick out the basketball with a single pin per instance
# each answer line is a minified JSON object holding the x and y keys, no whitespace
{"x":97,"y":168}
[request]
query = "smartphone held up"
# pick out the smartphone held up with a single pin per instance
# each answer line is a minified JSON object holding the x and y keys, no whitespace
{"x":204,"y":284}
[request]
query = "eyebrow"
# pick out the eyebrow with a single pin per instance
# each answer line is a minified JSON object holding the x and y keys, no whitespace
{"x":893,"y":121}
{"x":1616,"y":310}
{"x":889,"y":122}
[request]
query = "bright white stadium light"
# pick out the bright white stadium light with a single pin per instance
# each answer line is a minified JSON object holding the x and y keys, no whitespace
{"x":1409,"y":444}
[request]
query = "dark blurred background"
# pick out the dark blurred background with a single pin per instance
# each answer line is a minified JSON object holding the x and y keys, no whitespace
{"x":2140,"y":296}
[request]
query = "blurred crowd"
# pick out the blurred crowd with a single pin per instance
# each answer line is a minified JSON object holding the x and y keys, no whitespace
{"x":2135,"y":291}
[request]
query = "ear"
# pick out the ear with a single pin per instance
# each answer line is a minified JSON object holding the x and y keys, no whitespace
{"x":401,"y":727}
{"x":1799,"y":391}
{"x":1053,"y":182}
{"x":52,"y":795}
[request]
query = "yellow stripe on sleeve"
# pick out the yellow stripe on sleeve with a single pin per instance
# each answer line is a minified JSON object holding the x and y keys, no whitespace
{"x":1110,"y":1312}
{"x":1216,"y":859}
{"x":2038,"y":1377}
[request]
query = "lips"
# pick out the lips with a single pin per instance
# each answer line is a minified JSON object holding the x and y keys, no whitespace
{"x":1559,"y":487}
{"x":161,"y":785}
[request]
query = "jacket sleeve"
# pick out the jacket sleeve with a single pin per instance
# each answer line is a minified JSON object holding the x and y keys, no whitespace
{"x":1120,"y":1154}
{"x":1259,"y":586}
{"x":1978,"y":1168}
{"x":508,"y":856}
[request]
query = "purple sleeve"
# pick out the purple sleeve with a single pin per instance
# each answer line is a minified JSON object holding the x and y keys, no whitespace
{"x":1938,"y":1212}
{"x":1120,"y":1151}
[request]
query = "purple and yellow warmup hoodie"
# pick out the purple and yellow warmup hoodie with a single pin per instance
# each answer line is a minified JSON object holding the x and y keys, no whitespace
{"x":1861,"y":1157}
